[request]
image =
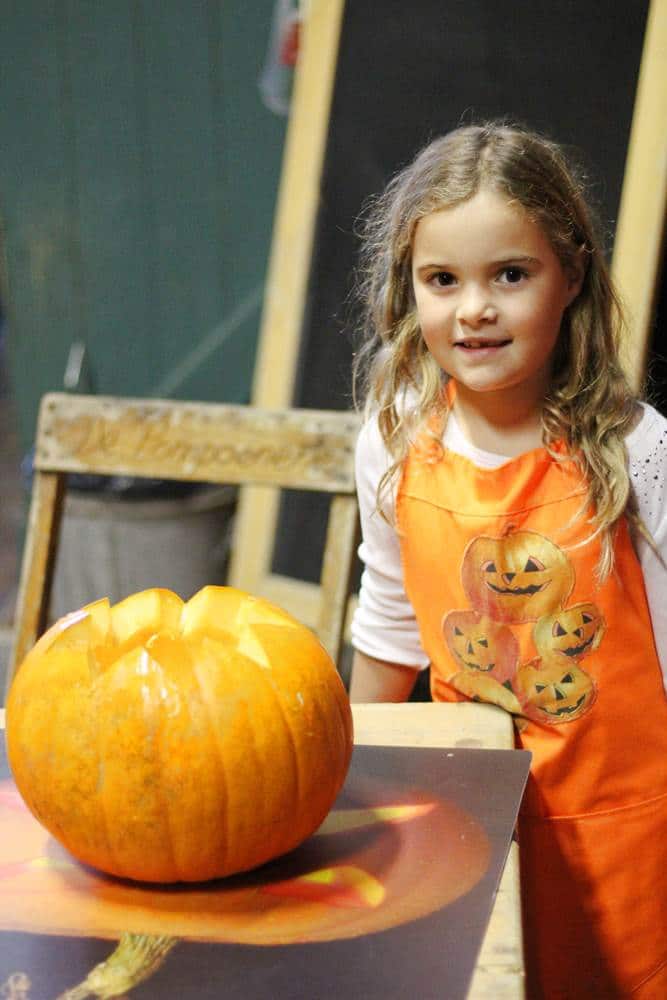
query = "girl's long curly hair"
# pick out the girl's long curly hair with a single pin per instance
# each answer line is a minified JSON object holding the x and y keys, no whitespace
{"x":589,"y":405}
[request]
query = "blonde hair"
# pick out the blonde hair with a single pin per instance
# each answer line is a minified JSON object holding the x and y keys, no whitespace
{"x":589,"y":405}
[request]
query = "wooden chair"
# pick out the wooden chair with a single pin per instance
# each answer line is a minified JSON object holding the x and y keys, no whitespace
{"x":197,"y":442}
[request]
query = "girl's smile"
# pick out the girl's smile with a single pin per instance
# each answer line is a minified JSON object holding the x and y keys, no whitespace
{"x":481,"y":348}
{"x":490,"y":295}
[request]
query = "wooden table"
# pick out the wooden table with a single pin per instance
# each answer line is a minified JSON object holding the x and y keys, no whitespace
{"x":499,"y":974}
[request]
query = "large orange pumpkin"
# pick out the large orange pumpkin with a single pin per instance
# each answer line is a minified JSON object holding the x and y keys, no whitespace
{"x":164,"y":741}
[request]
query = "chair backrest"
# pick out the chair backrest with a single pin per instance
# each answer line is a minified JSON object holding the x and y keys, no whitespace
{"x":196,"y":442}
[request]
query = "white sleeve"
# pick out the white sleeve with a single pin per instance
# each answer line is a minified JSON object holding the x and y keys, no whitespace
{"x":647,"y":453}
{"x":384,"y":624}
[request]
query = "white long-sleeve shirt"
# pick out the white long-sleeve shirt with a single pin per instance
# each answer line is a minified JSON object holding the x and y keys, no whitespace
{"x":384,"y":625}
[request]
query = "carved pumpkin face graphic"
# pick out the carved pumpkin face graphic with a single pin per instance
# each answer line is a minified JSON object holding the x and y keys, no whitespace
{"x":554,"y":691}
{"x":516,"y":578}
{"x":481,"y":645}
{"x":573,"y":631}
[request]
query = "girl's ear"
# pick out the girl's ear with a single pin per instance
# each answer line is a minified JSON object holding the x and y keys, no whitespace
{"x":576,"y":272}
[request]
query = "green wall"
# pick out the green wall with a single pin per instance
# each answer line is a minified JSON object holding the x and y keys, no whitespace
{"x":138,"y":176}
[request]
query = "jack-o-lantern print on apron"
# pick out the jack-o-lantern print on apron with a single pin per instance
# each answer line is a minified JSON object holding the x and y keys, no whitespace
{"x":516,"y":578}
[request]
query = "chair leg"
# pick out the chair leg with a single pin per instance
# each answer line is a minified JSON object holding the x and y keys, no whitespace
{"x":32,"y":606}
{"x":339,"y":550}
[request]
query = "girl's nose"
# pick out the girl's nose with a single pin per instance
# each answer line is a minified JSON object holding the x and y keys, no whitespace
{"x":475,"y":308}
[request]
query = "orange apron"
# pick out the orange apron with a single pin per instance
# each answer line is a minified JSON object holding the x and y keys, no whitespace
{"x":510,"y":612}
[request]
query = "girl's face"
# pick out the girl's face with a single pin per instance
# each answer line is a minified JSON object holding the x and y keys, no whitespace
{"x":490,"y":295}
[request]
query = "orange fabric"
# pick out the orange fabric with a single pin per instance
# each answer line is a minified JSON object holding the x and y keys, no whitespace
{"x":510,"y":612}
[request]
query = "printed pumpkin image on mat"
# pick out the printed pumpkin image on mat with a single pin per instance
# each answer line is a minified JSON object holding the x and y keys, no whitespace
{"x":409,"y":856}
{"x":376,"y":862}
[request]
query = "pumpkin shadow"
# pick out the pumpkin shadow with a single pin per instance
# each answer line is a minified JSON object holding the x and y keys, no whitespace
{"x":318,"y":851}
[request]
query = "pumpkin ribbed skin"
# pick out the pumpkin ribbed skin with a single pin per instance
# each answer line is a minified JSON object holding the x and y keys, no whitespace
{"x":166,"y":742}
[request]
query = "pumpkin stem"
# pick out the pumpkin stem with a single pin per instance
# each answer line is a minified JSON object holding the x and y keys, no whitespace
{"x":135,"y":959}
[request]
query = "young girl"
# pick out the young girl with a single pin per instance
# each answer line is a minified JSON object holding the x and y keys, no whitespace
{"x":512,"y":495}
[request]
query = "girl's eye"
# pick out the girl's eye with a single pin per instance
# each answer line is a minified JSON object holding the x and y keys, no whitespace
{"x":443,"y":279}
{"x":513,"y":275}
